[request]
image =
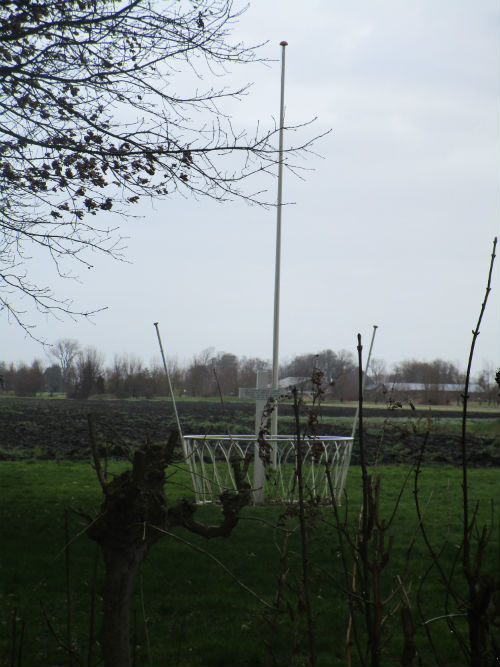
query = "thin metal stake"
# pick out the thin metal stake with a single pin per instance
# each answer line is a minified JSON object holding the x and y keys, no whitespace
{"x":188,"y":459}
{"x":169,"y":383}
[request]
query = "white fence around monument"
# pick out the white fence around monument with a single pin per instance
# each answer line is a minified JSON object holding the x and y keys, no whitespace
{"x":210,"y":457}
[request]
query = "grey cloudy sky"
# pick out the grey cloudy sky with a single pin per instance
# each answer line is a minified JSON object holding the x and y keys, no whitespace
{"x":392,"y":223}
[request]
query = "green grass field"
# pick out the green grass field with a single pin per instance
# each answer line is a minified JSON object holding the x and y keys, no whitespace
{"x":188,"y":610}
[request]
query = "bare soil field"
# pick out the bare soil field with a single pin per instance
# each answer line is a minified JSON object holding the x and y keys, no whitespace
{"x":53,"y":428}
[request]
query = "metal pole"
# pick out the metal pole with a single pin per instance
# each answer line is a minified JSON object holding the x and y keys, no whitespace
{"x":274,"y":421}
{"x":188,"y":457}
{"x":170,"y":389}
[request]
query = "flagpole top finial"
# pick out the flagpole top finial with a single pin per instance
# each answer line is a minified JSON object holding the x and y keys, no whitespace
{"x":283,"y":43}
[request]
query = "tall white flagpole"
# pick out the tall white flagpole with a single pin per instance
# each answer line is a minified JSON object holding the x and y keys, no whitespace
{"x":276,"y":328}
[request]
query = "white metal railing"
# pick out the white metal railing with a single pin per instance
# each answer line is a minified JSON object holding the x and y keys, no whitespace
{"x":210,"y":456}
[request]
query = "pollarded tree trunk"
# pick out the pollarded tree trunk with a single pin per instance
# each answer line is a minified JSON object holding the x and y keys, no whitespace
{"x":133,"y":517}
{"x":133,"y":507}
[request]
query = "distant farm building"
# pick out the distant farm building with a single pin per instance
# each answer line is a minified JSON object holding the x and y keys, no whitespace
{"x":433,"y":394}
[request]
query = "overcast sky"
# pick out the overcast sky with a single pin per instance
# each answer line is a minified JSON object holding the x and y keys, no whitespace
{"x":392,"y":224}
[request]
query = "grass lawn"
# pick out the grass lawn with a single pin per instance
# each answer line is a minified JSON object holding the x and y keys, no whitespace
{"x":188,"y":610}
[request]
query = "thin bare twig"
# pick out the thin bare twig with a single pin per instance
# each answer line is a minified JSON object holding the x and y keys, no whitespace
{"x":216,"y":560}
{"x":95,"y":453}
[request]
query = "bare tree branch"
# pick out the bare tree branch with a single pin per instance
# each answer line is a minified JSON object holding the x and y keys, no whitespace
{"x":104,"y":103}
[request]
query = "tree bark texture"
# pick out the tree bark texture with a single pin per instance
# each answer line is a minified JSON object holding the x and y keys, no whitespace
{"x":121,"y":570}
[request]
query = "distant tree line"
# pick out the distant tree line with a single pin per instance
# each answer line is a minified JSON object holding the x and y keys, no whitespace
{"x":80,"y":373}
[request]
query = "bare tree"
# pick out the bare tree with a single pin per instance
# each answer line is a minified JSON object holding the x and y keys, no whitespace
{"x":486,"y":380}
{"x":433,"y":376}
{"x":338,"y":368}
{"x":7,"y":374}
{"x":89,"y":374}
{"x":65,"y":352}
{"x":225,"y":367}
{"x":28,"y":380}
{"x":247,"y":370}
{"x":200,"y":380}
{"x":128,"y":378}
{"x":300,"y":366}
{"x":94,"y":115}
{"x":377,"y":370}
{"x":431,"y":373}
{"x":53,"y":379}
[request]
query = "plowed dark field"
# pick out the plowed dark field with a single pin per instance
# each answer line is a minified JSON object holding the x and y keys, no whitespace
{"x":58,"y":428}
